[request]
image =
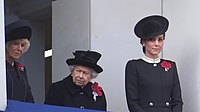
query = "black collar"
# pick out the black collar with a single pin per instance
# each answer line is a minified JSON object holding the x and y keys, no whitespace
{"x":8,"y":65}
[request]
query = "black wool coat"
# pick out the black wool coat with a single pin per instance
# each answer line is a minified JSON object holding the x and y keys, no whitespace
{"x":66,"y":93}
{"x":18,"y":87}
{"x":152,"y":88}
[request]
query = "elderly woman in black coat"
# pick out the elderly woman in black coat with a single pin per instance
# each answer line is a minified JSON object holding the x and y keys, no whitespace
{"x":152,"y":83}
{"x":77,"y":90}
{"x":18,"y":35}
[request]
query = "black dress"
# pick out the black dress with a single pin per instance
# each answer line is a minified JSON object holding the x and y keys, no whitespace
{"x":152,"y":88}
{"x":18,"y":87}
{"x":66,"y":93}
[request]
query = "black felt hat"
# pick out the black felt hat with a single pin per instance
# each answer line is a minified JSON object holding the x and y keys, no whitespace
{"x":151,"y":26}
{"x":20,"y":29}
{"x":86,"y":58}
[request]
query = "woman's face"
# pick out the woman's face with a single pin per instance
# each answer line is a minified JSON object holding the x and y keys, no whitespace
{"x":81,"y":75}
{"x":154,"y":46}
{"x":15,"y":49}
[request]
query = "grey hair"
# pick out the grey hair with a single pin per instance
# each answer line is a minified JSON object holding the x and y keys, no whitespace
{"x":94,"y":73}
{"x":27,"y":44}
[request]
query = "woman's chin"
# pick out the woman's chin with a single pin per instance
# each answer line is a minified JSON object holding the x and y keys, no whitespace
{"x":80,"y":84}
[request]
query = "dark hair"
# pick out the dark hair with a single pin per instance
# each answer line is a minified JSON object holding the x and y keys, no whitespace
{"x":141,"y":42}
{"x":143,"y":47}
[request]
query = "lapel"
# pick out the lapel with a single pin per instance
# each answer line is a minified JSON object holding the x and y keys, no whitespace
{"x":9,"y":66}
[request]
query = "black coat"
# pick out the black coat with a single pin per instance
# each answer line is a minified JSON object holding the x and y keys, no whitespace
{"x":152,"y":89}
{"x":18,"y":87}
{"x":66,"y":93}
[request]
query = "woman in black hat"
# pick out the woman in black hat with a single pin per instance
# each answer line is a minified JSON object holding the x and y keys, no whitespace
{"x":152,"y":83}
{"x":76,"y":90}
{"x":17,"y":43}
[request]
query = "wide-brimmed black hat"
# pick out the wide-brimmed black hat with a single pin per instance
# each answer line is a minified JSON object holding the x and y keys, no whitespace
{"x":20,"y":29}
{"x":151,"y":26}
{"x":86,"y":58}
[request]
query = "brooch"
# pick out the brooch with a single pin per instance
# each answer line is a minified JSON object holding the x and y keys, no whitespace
{"x":20,"y":67}
{"x":166,"y":65}
{"x":97,"y":90}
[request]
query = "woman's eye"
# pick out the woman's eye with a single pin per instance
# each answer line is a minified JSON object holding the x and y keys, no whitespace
{"x":22,"y":45}
{"x":153,"y":40}
{"x":86,"y":73}
{"x":78,"y":70}
{"x":15,"y":43}
{"x":160,"y":39}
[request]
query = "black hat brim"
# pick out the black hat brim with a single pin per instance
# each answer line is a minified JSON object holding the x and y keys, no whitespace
{"x":18,"y":30}
{"x":156,"y":19}
{"x":95,"y":67}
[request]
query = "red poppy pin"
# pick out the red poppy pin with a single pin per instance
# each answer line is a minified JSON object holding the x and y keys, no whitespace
{"x":166,"y":65}
{"x":20,"y":67}
{"x":97,"y":90}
